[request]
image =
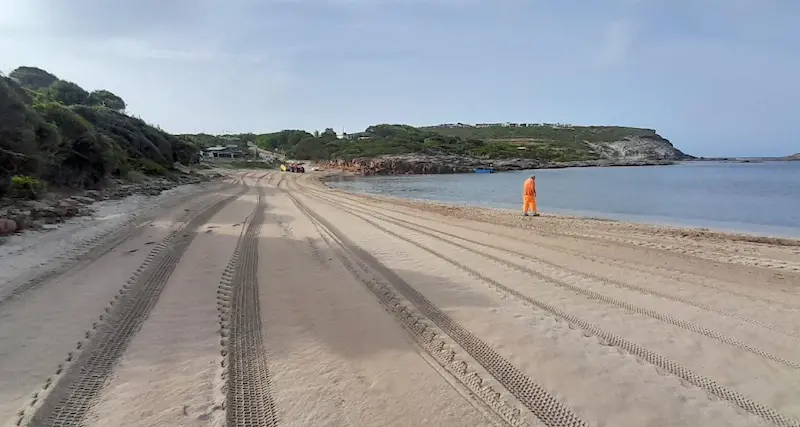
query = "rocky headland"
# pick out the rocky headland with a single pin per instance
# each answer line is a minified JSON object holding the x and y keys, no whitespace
{"x":508,"y":147}
{"x":406,"y":164}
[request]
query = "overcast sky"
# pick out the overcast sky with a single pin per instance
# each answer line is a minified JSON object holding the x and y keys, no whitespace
{"x":717,"y":77}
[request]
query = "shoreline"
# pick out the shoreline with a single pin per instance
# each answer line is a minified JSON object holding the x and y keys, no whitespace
{"x":420,"y":164}
{"x":451,"y":209}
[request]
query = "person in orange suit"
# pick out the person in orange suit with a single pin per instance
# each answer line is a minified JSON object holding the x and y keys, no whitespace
{"x":529,"y":196}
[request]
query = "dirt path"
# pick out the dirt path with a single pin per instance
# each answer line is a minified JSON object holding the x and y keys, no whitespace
{"x":280,"y":302}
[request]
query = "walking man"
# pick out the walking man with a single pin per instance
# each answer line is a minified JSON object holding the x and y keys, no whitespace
{"x":529,"y":196}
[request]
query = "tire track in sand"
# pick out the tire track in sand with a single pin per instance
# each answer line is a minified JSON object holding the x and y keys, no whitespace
{"x":686,"y":375}
{"x":88,"y":251}
{"x":424,"y":230}
{"x":247,"y":387}
{"x":541,"y":403}
{"x":608,"y":259}
{"x":78,"y":385}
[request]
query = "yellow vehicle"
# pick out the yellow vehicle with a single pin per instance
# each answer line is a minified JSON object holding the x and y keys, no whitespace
{"x":283,"y":168}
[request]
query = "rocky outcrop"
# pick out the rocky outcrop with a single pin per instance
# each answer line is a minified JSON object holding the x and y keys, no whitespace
{"x":793,"y":157}
{"x":431,"y":164}
{"x":19,"y":215}
{"x":639,"y":148}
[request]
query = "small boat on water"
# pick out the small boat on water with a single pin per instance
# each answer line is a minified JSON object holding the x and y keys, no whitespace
{"x":483,"y":170}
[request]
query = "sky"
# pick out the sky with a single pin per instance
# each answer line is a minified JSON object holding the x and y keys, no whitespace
{"x":716,"y":77}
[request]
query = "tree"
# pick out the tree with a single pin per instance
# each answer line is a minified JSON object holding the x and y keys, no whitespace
{"x":33,"y":78}
{"x":67,"y":93}
{"x":84,"y":157}
{"x":106,"y":99}
{"x":329,"y":135}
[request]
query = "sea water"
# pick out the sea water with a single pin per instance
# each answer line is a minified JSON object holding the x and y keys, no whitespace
{"x":760,"y":198}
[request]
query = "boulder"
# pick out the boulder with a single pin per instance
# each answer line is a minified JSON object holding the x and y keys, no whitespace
{"x":7,"y":226}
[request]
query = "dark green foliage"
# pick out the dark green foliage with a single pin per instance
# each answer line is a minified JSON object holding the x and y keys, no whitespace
{"x":26,"y":187}
{"x":33,"y":78}
{"x":84,"y":157}
{"x":544,"y":142}
{"x":67,"y":93}
{"x":546,"y":132}
{"x":388,"y":139}
{"x":57,"y":132}
{"x":104,"y":98}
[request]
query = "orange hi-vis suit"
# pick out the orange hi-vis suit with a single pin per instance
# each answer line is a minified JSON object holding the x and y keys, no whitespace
{"x":529,"y":195}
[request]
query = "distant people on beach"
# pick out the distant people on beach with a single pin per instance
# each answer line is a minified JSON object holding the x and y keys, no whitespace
{"x":529,"y":196}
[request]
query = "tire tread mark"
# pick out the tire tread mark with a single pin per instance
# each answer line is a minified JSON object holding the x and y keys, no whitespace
{"x":249,"y":400}
{"x":666,"y":318}
{"x":614,"y":262}
{"x":608,"y":281}
{"x":540,"y":402}
{"x":424,"y":333}
{"x":76,"y":392}
{"x":96,"y":246}
{"x":705,"y":383}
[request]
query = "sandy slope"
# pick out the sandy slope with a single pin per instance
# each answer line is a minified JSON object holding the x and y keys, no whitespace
{"x":377,"y":312}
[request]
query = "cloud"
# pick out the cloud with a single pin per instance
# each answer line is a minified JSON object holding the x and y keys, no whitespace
{"x":723,"y":67}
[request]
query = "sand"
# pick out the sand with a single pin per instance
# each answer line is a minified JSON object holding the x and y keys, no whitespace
{"x":41,"y":327}
{"x":368,"y":311}
{"x":168,"y":374}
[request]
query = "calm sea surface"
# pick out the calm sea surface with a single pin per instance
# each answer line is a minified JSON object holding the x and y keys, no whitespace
{"x":762,"y":198}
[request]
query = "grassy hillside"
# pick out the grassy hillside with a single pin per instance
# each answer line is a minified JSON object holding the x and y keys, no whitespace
{"x":53,"y":131}
{"x":560,"y":134}
{"x":575,"y":142}
{"x":540,"y":142}
{"x":388,"y":139}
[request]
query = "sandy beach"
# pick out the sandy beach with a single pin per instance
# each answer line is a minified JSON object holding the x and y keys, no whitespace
{"x":269,"y":299}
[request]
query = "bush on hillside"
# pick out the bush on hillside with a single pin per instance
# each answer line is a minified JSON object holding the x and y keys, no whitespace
{"x":27,"y":187}
{"x":104,"y":98}
{"x":56,"y":131}
{"x":67,"y":93}
{"x":33,"y":78}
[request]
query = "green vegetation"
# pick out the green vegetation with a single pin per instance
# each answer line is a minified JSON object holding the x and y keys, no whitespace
{"x":542,"y":142}
{"x":56,"y":132}
{"x":387,"y":139}
{"x":27,"y":187}
{"x":551,"y":133}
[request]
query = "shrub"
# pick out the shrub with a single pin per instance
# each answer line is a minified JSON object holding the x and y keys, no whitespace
{"x":149,"y":167}
{"x":135,"y":177}
{"x":27,"y":187}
